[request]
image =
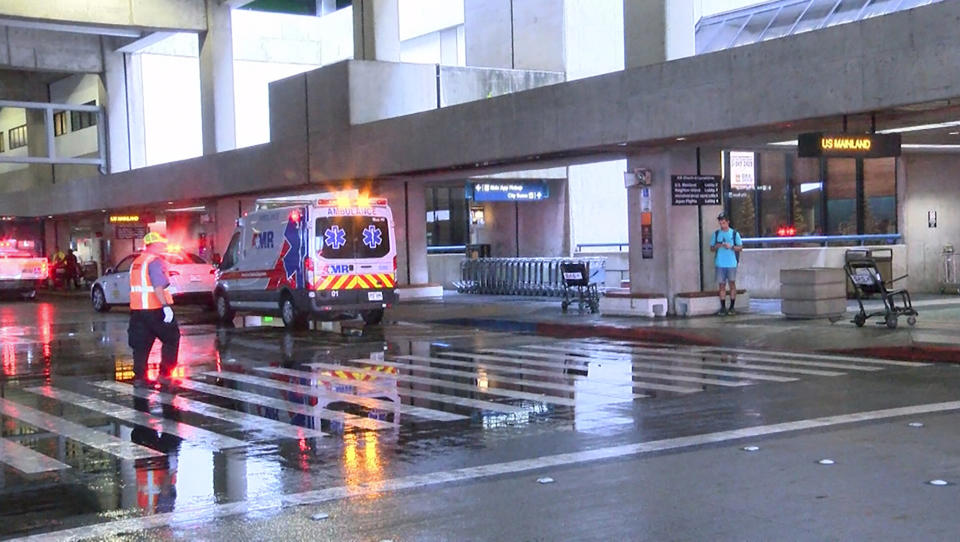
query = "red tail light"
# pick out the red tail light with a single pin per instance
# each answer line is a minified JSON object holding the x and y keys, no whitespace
{"x":295,"y":215}
{"x":308,"y":269}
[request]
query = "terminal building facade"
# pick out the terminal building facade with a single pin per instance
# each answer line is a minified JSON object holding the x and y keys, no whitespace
{"x":181,"y":115}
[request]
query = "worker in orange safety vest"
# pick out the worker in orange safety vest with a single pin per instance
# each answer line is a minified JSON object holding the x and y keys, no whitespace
{"x":151,"y":313}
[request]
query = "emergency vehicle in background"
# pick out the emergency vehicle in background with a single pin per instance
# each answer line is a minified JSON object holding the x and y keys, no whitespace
{"x":191,"y":281}
{"x":23,"y":268}
{"x":329,"y":259}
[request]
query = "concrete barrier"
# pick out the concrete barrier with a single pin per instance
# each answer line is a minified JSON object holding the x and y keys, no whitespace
{"x":620,"y":302}
{"x":813,"y":292}
{"x":706,"y":303}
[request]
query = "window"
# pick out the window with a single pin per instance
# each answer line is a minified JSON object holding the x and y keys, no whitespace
{"x":230,"y":255}
{"x":125,"y":264}
{"x":346,"y":237}
{"x":1,"y":142}
{"x":60,"y":123}
{"x":830,"y":196}
{"x":447,"y":216}
{"x":18,"y":137}
{"x":83,"y":119}
{"x":183,"y":258}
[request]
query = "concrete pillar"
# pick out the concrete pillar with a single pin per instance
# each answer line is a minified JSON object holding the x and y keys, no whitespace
{"x":655,"y":31}
{"x":37,"y":146}
{"x":410,"y":226}
{"x":217,"y":109}
{"x":678,"y":239}
{"x":376,"y":30}
{"x":114,"y":98}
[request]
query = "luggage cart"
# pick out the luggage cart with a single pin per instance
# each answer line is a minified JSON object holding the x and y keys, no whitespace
{"x":866,"y":280}
{"x":577,"y":287}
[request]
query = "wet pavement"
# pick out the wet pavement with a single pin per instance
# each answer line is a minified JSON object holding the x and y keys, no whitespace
{"x":442,"y":420}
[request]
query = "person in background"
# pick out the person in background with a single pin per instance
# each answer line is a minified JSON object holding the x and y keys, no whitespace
{"x":151,"y":313}
{"x":72,"y":266}
{"x":727,"y":244}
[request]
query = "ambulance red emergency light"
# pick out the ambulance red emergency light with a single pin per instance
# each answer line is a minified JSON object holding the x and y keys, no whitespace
{"x":22,"y":271}
{"x":331,"y":259}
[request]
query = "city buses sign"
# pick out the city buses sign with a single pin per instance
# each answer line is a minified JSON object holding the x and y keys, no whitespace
{"x":817,"y":144}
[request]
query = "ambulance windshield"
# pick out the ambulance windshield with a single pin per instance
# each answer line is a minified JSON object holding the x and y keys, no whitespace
{"x":353,"y":237}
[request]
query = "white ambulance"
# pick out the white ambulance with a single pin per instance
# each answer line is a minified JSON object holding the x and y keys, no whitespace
{"x":330,"y":259}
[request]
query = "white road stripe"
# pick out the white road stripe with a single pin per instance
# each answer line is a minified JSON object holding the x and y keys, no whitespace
{"x":538,"y":397}
{"x":565,"y":388}
{"x":314,"y":391}
{"x":753,"y":358}
{"x":74,"y":431}
{"x":527,"y":354}
{"x":436,"y":397}
{"x":26,"y":460}
{"x":205,"y":514}
{"x":299,"y":408}
{"x":195,"y":435}
{"x":775,"y":353}
{"x":635,"y":383}
{"x":247,"y":422}
{"x":501,"y":367}
{"x":681,"y":378}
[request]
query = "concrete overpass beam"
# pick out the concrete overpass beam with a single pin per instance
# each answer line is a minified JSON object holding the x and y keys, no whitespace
{"x":34,"y":49}
{"x":185,"y":15}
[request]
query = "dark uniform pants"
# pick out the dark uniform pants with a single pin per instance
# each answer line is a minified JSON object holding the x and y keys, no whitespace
{"x":146,"y":327}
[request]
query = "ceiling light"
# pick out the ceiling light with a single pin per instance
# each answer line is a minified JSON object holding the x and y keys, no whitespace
{"x":681,"y":139}
{"x":930,"y":147}
{"x":920,"y":127}
{"x":198,"y":209}
{"x":954,"y":133}
{"x":791,"y":143}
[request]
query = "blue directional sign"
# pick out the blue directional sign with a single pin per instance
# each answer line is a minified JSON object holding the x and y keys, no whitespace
{"x":508,"y":190}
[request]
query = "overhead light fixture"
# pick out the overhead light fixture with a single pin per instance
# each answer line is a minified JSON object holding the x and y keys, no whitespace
{"x":809,"y":187}
{"x":920,"y":127}
{"x":954,"y":133}
{"x":791,"y":143}
{"x":930,"y":147}
{"x":681,"y":139}
{"x":198,"y":209}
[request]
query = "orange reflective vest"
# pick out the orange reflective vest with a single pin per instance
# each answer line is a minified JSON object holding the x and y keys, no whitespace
{"x":142,"y":296}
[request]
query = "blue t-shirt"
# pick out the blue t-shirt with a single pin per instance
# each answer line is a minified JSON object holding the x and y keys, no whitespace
{"x":726,"y":257}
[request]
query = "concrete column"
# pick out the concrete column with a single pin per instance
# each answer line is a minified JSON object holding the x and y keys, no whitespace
{"x":655,"y":31}
{"x":678,"y":240}
{"x":37,"y":146}
{"x":217,"y":109}
{"x":376,"y":30}
{"x":114,"y":97}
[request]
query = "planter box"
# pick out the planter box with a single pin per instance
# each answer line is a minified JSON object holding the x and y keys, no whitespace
{"x":624,"y":303}
{"x":706,"y":303}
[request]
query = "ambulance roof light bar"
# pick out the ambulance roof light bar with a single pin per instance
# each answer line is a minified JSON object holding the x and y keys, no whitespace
{"x":360,"y":201}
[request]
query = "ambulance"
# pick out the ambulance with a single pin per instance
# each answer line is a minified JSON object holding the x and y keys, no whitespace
{"x":329,"y":259}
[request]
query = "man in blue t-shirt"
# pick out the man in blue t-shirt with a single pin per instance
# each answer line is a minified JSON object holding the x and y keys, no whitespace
{"x":726,"y":242}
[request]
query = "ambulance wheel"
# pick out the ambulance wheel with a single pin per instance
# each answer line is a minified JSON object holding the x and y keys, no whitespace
{"x":372,"y":318}
{"x":292,"y":318}
{"x":892,"y":321}
{"x":859,"y":320}
{"x":99,"y":300}
{"x":224,"y":312}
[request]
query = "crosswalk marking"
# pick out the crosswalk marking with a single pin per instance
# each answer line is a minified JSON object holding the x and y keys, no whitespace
{"x":74,"y":431}
{"x":299,"y":408}
{"x":246,"y":421}
{"x":652,"y":386}
{"x":558,"y":371}
{"x":523,"y":353}
{"x":753,"y":358}
{"x":773,"y":353}
{"x":698,"y":380}
{"x":538,"y":397}
{"x":26,"y":460}
{"x":566,"y":388}
{"x":314,"y":391}
{"x":197,"y":435}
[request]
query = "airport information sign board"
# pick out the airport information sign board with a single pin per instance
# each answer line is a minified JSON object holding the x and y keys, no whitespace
{"x":695,"y":189}
{"x":817,"y":144}
{"x":508,"y":190}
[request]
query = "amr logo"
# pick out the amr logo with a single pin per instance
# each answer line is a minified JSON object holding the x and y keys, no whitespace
{"x":262,"y":240}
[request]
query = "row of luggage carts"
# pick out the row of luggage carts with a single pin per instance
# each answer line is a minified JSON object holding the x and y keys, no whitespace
{"x":541,"y":277}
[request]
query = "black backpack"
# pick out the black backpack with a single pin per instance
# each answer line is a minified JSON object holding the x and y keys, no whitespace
{"x":736,"y":236}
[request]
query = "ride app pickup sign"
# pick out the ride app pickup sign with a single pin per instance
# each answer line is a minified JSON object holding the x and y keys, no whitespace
{"x":695,"y":189}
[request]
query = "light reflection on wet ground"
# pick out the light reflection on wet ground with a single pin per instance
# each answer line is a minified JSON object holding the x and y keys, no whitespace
{"x":312,"y":409}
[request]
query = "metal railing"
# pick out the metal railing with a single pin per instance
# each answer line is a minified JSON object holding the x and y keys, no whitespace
{"x":523,"y":276}
{"x":620,"y":247}
{"x":825,"y":240}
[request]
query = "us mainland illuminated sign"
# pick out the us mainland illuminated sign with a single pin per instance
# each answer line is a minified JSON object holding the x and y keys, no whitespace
{"x":817,"y":144}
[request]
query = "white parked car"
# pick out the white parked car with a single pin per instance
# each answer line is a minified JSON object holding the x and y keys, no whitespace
{"x":191,"y":279}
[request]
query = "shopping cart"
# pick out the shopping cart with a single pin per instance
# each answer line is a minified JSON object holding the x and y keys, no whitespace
{"x":577,"y":287}
{"x":866,"y":280}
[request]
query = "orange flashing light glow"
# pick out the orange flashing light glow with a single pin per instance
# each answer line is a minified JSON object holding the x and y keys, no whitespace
{"x":363,"y":200}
